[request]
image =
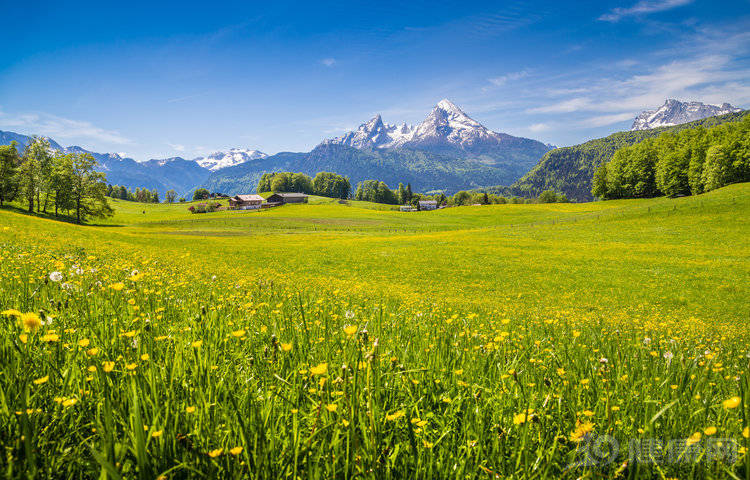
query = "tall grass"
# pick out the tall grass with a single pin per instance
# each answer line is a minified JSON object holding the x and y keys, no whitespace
{"x":159,"y":357}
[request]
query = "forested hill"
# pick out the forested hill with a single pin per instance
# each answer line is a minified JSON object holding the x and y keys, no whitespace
{"x":569,"y":170}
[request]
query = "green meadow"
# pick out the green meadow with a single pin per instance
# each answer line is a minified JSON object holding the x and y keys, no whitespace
{"x":351,"y":340}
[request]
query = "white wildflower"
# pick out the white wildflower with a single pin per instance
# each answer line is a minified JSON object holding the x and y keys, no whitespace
{"x":56,"y":276}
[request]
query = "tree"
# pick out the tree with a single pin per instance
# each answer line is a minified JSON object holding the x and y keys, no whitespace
{"x":717,"y":170}
{"x":34,"y":155}
{"x":62,"y":182}
{"x":9,"y":161}
{"x":88,"y":188}
{"x":201,"y":194}
{"x":672,"y":172}
{"x":155,"y":196}
{"x":462,"y":198}
{"x":408,"y":193}
{"x":548,"y":196}
{"x":170,"y":196}
{"x":329,"y":184}
{"x":401,"y":194}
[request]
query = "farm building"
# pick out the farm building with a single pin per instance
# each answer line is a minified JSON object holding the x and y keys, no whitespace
{"x":245,"y":202}
{"x":407,"y":208}
{"x":282,"y":198}
{"x":427,"y":205}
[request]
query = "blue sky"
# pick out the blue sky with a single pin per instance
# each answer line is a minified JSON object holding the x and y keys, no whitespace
{"x":155,"y":79}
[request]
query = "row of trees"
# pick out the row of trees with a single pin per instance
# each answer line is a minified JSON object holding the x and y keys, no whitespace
{"x":379,"y":192}
{"x":326,"y":184}
{"x":686,"y":163}
{"x":43,"y":178}
{"x":142,"y":195}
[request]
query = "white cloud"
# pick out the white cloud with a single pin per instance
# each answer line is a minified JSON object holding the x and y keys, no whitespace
{"x":177,"y":147}
{"x":59,"y":128}
{"x":503,"y":79}
{"x":539,"y":127}
{"x":328,"y":62}
{"x":643,"y":7}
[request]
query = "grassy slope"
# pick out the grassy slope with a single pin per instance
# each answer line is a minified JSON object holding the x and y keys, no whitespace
{"x":686,"y":255}
{"x":178,"y":337}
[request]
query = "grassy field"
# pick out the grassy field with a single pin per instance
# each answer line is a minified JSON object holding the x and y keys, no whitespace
{"x":354,"y":341}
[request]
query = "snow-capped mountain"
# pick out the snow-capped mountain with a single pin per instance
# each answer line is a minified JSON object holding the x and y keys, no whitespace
{"x":675,"y":112}
{"x":375,"y":134}
{"x":447,"y":126}
{"x":235,"y":156}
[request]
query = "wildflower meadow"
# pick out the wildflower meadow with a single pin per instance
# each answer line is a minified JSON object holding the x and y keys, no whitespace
{"x":340,"y":341}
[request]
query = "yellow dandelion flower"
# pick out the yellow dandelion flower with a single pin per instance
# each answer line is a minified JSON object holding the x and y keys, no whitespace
{"x":523,"y":417}
{"x":189,"y":409}
{"x":108,"y":366}
{"x":92,"y":351}
{"x":41,"y":380}
{"x":331,"y":407}
{"x":350,"y":330}
{"x":50,"y":337}
{"x":319,"y":369}
{"x":69,"y":402}
{"x":238,"y":333}
{"x":694,"y":438}
{"x":30,"y":321}
{"x":92,"y":368}
{"x":709,"y":431}
{"x":286,"y":346}
{"x":157,"y":433}
{"x":83,"y":343}
{"x":117,"y":286}
{"x":11,"y":313}
{"x":197,"y":344}
{"x":394,"y":416}
{"x":582,"y":429}
{"x":23,"y":337}
{"x":746,"y":432}
{"x":215,"y":453}
{"x":236,"y":450}
{"x":131,"y":366}
{"x":731,"y":403}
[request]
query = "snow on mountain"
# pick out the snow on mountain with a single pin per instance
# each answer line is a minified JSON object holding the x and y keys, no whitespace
{"x":375,"y":134}
{"x":446,"y":124}
{"x":235,"y":156}
{"x":674,"y":112}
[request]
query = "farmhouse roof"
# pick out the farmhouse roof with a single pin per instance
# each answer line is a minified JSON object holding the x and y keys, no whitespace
{"x":291,"y":195}
{"x":249,"y":198}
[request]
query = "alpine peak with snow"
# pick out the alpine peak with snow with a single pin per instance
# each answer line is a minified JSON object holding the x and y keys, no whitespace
{"x":235,"y":156}
{"x":675,"y":112}
{"x":446,"y":126}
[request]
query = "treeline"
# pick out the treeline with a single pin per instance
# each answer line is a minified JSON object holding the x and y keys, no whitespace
{"x":142,"y":195}
{"x":686,"y":163}
{"x":379,"y":192}
{"x":325,"y":184}
{"x":45,"y":179}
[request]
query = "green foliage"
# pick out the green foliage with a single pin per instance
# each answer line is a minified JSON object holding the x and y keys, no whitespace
{"x":285,"y":182}
{"x":201,"y":194}
{"x":691,"y":161}
{"x":329,"y":184}
{"x":9,"y":161}
{"x":570,"y":170}
{"x":378,"y":192}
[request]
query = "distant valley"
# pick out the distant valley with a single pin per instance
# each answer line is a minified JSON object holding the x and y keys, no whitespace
{"x":447,"y":151}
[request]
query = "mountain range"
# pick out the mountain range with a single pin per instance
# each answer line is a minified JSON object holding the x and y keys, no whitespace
{"x":447,"y":151}
{"x":675,"y":112}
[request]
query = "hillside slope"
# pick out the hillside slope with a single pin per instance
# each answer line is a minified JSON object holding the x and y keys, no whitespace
{"x":569,"y":170}
{"x":424,"y":170}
